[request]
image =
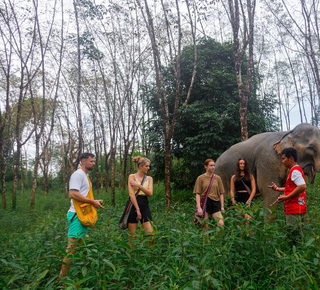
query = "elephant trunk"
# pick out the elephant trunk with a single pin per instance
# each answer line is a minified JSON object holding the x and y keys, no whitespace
{"x":310,"y":172}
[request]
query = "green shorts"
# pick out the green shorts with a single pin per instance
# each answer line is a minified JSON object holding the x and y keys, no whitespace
{"x":76,"y":229}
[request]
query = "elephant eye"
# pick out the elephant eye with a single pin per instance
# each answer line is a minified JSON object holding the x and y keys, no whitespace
{"x":311,"y":148}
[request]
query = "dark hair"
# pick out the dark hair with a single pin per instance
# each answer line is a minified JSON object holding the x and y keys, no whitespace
{"x":207,"y":161}
{"x":86,"y":155}
{"x":246,"y":170}
{"x":290,"y":152}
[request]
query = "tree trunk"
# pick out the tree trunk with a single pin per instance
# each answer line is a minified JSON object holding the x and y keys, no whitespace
{"x":79,"y":85}
{"x":4,"y":191}
{"x":237,"y":9}
{"x":167,"y":171}
{"x":34,"y":183}
{"x":169,"y":116}
{"x":113,"y":175}
{"x":107,"y":179}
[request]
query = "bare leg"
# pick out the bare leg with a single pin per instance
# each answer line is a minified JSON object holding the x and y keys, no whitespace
{"x":132,"y":231}
{"x":218,"y":217}
{"x":148,"y":230}
{"x":71,"y":249}
{"x":248,"y":217}
{"x":205,"y":226}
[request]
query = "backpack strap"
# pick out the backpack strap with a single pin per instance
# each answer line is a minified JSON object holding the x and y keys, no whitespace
{"x":247,"y":187}
{"x":73,"y":217}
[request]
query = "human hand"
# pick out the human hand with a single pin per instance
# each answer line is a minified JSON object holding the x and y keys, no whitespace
{"x":200,"y":212}
{"x":222,"y":209}
{"x":134,"y":183}
{"x":97,"y":203}
{"x":273,"y":186}
{"x":282,"y":198}
{"x":138,"y":214}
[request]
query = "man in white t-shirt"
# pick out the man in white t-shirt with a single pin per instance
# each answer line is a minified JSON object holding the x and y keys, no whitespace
{"x":78,"y":190}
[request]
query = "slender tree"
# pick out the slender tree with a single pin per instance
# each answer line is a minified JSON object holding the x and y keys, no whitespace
{"x":173,"y":39}
{"x":240,"y":13}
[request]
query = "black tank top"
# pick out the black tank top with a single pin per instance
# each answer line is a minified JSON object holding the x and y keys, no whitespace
{"x":239,"y":186}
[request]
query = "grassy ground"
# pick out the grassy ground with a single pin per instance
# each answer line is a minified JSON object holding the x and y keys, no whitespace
{"x":255,"y":256}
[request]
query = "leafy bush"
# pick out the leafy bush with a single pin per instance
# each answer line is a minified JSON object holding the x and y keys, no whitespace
{"x":241,"y":256}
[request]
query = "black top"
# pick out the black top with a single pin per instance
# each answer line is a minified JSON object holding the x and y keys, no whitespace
{"x":239,"y":186}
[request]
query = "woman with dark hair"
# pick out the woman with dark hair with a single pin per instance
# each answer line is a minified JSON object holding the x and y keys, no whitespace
{"x":242,"y":185}
{"x":215,"y":201}
{"x":143,"y":185}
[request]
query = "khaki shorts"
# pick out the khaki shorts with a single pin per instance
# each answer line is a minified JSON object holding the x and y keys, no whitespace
{"x":295,"y":220}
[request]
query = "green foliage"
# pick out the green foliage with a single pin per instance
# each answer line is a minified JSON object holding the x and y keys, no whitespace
{"x":254,"y":256}
{"x":210,"y":122}
{"x":88,"y":47}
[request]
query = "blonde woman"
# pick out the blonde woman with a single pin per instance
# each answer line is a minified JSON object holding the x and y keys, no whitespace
{"x":140,"y":210}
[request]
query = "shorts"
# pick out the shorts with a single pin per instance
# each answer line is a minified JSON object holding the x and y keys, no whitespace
{"x":295,"y":220}
{"x":213,"y":206}
{"x":242,"y":197}
{"x":76,"y":229}
{"x":144,"y":209}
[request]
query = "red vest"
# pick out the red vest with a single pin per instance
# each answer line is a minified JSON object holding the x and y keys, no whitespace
{"x":296,"y":205}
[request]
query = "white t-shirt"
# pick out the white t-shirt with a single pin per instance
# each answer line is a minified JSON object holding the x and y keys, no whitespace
{"x":297,"y":178}
{"x":78,"y":181}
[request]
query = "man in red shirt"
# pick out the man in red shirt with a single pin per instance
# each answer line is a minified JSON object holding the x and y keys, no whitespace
{"x":294,"y":197}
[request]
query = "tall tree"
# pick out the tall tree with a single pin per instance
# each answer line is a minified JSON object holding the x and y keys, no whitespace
{"x":76,"y":4}
{"x":300,"y":26}
{"x":173,"y":40}
{"x":24,"y":47}
{"x":6,"y":55}
{"x":240,"y":13}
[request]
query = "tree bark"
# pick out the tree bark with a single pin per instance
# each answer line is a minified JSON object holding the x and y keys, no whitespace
{"x":247,"y":41}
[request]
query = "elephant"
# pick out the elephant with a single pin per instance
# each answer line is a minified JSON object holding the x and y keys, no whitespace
{"x":263,"y":154}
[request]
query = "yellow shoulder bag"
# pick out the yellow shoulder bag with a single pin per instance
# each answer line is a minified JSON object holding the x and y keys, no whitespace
{"x":86,"y":212}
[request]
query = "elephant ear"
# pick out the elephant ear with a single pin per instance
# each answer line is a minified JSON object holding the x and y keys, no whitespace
{"x":284,"y":142}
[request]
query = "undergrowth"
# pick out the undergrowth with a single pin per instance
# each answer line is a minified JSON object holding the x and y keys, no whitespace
{"x":240,"y":256}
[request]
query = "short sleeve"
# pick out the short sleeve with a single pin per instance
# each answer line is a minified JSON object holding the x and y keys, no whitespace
{"x":75,"y":181}
{"x":221,"y":188}
{"x":297,"y":178}
{"x":197,"y":187}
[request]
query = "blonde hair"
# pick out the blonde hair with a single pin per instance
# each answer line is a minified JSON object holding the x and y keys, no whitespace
{"x":140,"y":160}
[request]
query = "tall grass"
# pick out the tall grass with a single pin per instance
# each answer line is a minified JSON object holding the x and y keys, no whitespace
{"x":240,"y":256}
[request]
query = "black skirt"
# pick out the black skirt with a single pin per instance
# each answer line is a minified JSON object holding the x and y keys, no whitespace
{"x":143,"y":204}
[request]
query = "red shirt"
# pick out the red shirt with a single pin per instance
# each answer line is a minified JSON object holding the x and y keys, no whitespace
{"x":297,"y":204}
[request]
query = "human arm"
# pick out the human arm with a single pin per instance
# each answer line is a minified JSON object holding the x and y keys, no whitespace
{"x":275,"y":187}
{"x":299,"y":189}
{"x":76,"y":195}
{"x":220,"y":190}
{"x":198,"y":204}
{"x":222,"y":201}
{"x":133,"y":196}
{"x":253,"y":189}
{"x":148,"y":191}
{"x":232,"y":189}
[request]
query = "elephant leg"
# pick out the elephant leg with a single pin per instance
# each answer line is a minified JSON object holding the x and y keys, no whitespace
{"x":269,"y":196}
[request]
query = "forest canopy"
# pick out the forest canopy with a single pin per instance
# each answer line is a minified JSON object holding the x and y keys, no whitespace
{"x":209,"y":124}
